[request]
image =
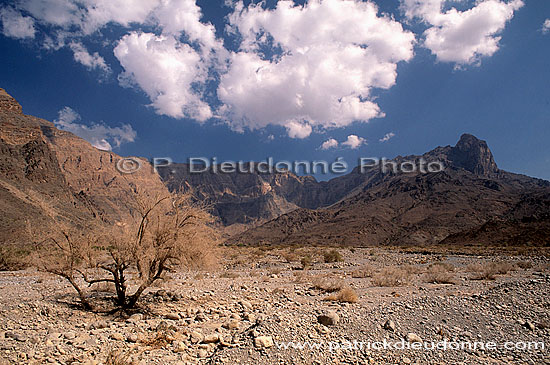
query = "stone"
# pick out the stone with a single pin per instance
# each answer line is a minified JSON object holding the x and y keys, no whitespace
{"x":132,"y":338}
{"x":213,"y":338}
{"x":117,"y":336}
{"x":232,"y":325}
{"x":328,"y":319}
{"x":389,"y":325}
{"x":246,"y":304}
{"x":413,"y":337}
{"x":172,"y":316}
{"x":196,"y":337}
{"x":263,"y":341}
{"x":179,"y":346}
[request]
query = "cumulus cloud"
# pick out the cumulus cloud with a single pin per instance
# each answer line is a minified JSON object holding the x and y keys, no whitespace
{"x":354,"y":141}
{"x":329,"y":143}
{"x":166,"y":70}
{"x":387,"y":137}
{"x":92,"y":62}
{"x":99,"y":135}
{"x":462,"y":37}
{"x":15,"y":25}
{"x":310,"y":66}
{"x":546,"y":26}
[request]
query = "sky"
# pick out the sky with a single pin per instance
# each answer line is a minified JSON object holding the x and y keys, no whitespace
{"x":290,"y":80}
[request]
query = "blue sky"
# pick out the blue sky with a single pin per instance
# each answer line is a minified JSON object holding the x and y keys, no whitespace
{"x":247,"y":81}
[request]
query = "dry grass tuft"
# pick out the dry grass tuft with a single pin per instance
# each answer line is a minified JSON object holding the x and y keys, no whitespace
{"x":365,"y":271}
{"x":490,"y":271}
{"x":118,"y":357}
{"x":345,"y":295}
{"x":327,"y":284}
{"x":440,"y":273}
{"x":392,"y":276}
{"x":332,"y":256}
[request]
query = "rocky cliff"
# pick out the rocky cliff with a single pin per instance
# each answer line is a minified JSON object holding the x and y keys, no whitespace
{"x":46,"y":172}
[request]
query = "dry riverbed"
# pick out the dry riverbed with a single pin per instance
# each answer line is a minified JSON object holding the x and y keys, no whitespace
{"x":261,"y":307}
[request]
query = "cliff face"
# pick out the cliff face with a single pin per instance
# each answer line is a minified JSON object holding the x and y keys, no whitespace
{"x":45,"y":172}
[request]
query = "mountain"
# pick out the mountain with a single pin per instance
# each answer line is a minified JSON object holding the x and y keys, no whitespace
{"x":46,"y":172}
{"x":252,"y":196}
{"x":469,"y":201}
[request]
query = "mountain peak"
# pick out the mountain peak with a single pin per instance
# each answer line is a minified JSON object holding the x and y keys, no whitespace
{"x":473,"y":154}
{"x":8,"y":103}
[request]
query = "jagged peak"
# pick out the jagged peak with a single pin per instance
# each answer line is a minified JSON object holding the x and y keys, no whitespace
{"x":473,"y":154}
{"x":8,"y":103}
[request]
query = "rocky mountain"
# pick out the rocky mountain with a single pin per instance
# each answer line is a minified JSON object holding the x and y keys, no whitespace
{"x":251,"y":197}
{"x":469,"y":201}
{"x":46,"y":172}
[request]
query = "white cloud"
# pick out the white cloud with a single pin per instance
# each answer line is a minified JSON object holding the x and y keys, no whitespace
{"x":298,"y":130}
{"x":183,"y":16}
{"x":546,"y":26}
{"x":92,"y":62}
{"x":63,"y":13}
{"x":324,"y":60}
{"x":387,"y":137}
{"x":166,"y":70}
{"x":329,"y":143}
{"x":15,"y":25}
{"x":354,"y":142}
{"x":462,"y":37}
{"x":99,"y":135}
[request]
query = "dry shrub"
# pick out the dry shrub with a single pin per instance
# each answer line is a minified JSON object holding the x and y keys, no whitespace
{"x":365,"y":271}
{"x":276,"y":271}
{"x":524,"y":264}
{"x":14,"y":257}
{"x":490,"y":271}
{"x":345,"y":295}
{"x":391,"y":276}
{"x":118,"y":357}
{"x":542,"y":268}
{"x":306,"y":262}
{"x":162,"y":234}
{"x":440,"y":273}
{"x":230,"y":275}
{"x":327,"y":284}
{"x":290,"y":257}
{"x":332,"y":256}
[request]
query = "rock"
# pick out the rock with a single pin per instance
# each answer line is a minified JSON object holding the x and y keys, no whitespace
{"x":172,"y":316}
{"x":406,"y":360}
{"x":389,"y":325}
{"x":117,"y":336}
{"x":246,"y":304}
{"x":98,"y":325}
{"x":196,"y":337}
{"x":263,"y":341}
{"x":202,"y":353}
{"x":179,"y":346}
{"x":530,"y":325}
{"x":231,"y":325}
{"x":132,"y":338}
{"x":413,"y":337}
{"x":70,"y":335}
{"x":328,"y":319}
{"x":135,"y":317}
{"x":213,"y":338}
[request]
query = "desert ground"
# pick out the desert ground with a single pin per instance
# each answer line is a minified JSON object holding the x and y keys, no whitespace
{"x":291,"y":306}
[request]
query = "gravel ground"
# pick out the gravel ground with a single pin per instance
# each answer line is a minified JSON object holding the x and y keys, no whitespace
{"x":261,"y":309}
